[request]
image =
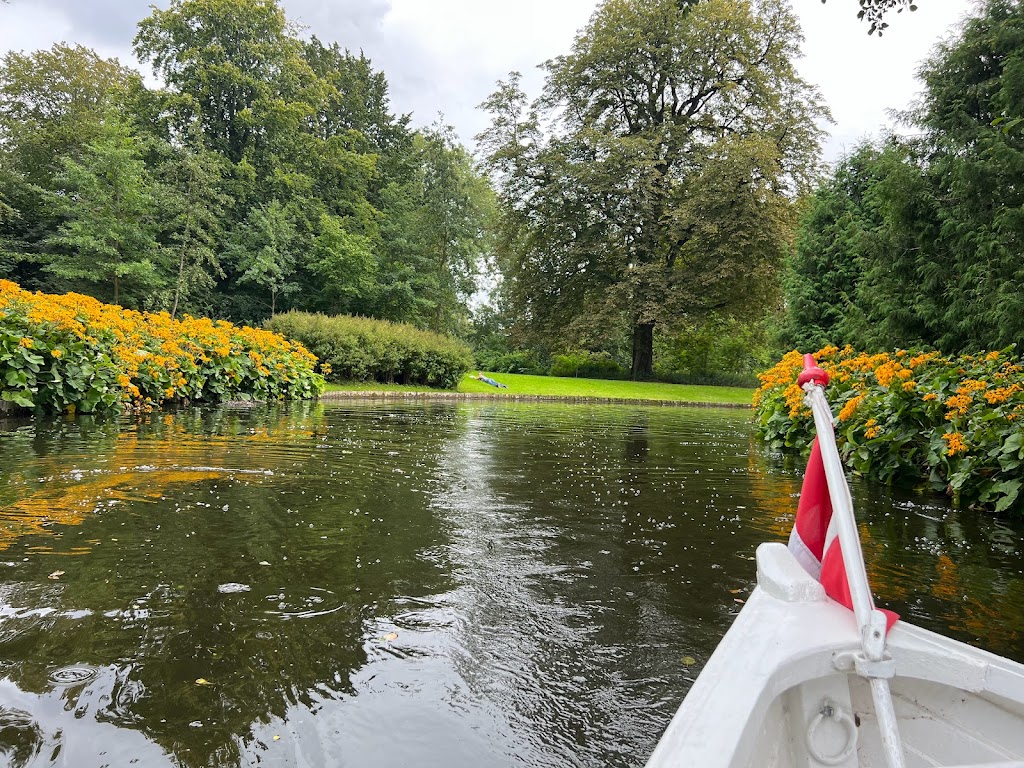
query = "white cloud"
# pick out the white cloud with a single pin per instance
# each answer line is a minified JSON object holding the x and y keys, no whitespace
{"x":864,"y":77}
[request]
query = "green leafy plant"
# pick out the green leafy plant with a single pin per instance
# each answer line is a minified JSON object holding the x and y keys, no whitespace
{"x":950,"y":423}
{"x":73,"y":353}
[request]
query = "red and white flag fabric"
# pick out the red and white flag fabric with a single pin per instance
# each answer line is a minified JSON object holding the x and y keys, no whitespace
{"x":814,"y":541}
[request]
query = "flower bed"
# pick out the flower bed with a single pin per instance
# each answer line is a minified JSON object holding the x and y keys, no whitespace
{"x":953,"y":423}
{"x":73,"y":353}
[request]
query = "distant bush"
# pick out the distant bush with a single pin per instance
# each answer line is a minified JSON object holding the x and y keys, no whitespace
{"x":73,"y":353}
{"x":519,"y":361}
{"x":587,"y":365}
{"x":361,"y":349}
{"x":715,"y":351}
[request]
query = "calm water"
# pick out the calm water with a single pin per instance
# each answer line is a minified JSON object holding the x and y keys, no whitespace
{"x":423,"y":585}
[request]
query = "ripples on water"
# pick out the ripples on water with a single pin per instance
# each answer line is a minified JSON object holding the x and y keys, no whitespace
{"x":441,"y":584}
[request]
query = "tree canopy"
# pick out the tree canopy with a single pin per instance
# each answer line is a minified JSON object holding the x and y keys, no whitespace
{"x":653,"y":180}
{"x":268,"y":172}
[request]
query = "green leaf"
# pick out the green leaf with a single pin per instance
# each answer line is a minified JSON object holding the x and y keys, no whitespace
{"x":1011,"y":489}
{"x":23,"y":399}
{"x":1014,"y":443}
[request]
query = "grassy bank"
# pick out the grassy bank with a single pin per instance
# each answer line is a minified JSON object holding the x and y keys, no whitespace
{"x":552,"y":386}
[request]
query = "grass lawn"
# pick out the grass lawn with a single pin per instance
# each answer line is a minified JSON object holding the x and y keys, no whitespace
{"x":519,"y":384}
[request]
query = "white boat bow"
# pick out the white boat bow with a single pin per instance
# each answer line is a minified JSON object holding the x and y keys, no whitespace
{"x":780,"y":690}
{"x":801,"y":680}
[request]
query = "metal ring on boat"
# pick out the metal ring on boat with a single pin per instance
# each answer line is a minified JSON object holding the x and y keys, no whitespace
{"x":836,"y":713}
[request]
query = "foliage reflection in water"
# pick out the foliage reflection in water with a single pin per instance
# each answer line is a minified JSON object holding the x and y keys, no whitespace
{"x":436,"y":584}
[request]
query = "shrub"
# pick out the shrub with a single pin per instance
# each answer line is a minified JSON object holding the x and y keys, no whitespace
{"x":587,"y":365}
{"x":73,"y":353}
{"x":361,"y":349}
{"x":953,"y":423}
{"x":717,"y":351}
{"x":518,"y":361}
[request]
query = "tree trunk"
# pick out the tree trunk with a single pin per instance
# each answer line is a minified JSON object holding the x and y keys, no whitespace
{"x":643,"y":351}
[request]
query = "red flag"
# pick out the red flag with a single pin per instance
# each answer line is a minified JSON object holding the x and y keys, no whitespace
{"x":814,"y":541}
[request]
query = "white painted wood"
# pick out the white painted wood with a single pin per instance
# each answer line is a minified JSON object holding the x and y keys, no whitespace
{"x":782,"y":577}
{"x":790,"y":648}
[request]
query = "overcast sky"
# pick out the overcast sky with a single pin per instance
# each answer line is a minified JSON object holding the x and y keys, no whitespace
{"x":446,"y":55}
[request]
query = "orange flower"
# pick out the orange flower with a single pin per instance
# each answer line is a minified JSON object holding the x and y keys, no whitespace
{"x":955,"y":443}
{"x":850,"y":407}
{"x":971,"y":385}
{"x":957,"y":406}
{"x":1002,"y":394}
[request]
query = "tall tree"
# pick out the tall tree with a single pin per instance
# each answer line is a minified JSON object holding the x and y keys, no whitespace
{"x":108,"y":234}
{"x":675,"y":135}
{"x":822,"y":275}
{"x":234,"y":64}
{"x":941,"y":212}
{"x":262,"y":248}
{"x":53,"y":102}
{"x":976,"y":168}
{"x":453,"y":221}
{"x":356,"y":99}
{"x":192,"y":208}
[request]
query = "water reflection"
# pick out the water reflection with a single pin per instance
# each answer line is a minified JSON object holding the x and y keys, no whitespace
{"x":440,"y":584}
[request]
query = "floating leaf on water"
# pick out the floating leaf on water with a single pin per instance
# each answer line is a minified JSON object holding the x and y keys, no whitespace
{"x":55,"y":575}
{"x":203,"y":681}
{"x":689,"y":661}
{"x":390,"y":636}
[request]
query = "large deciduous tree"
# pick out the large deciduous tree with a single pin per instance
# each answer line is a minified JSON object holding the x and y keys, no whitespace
{"x":233,"y":65}
{"x":654,"y":178}
{"x":52,"y":105}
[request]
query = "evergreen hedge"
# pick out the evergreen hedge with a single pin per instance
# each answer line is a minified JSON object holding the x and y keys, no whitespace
{"x":362,"y":349}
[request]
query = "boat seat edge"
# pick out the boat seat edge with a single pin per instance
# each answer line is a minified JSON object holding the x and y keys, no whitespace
{"x":782,"y":577}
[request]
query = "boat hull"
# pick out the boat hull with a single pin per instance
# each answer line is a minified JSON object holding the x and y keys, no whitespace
{"x":781,"y":690}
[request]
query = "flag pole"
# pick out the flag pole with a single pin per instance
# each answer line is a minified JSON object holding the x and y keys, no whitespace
{"x":872,"y":663}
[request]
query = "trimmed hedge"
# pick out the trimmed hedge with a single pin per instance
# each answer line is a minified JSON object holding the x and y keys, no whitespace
{"x":953,"y":423}
{"x":362,"y":349}
{"x":73,"y":353}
